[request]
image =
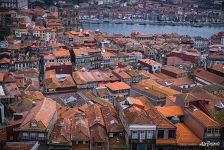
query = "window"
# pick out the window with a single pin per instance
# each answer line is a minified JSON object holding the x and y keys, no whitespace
{"x":110,"y":134}
{"x":120,"y":134}
{"x":186,"y":104}
{"x":171,"y":134}
{"x":99,"y":144}
{"x":25,"y":134}
{"x":142,"y":135}
{"x":41,"y":135}
{"x":216,"y":130}
{"x":33,"y":135}
{"x":160,"y":134}
{"x":149,"y":134}
{"x":209,"y":131}
{"x":134,"y":134}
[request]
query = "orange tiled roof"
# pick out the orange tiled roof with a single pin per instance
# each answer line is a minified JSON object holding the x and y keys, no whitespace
{"x":115,"y":86}
{"x":170,"y":111}
{"x":85,"y":51}
{"x":50,"y":74}
{"x":108,"y":54}
{"x":182,"y":81}
{"x":204,"y":119}
{"x":94,"y":115}
{"x":156,"y":117}
{"x":166,"y":142}
{"x":80,"y":130}
{"x":118,"y":143}
{"x":61,"y":53}
{"x":174,"y":69}
{"x":122,"y":74}
{"x":137,"y":102}
{"x":49,"y":57}
{"x":65,"y":112}
{"x":150,"y":62}
{"x":2,"y":75}
{"x":153,"y":85}
{"x":112,"y":121}
{"x":218,"y":67}
{"x":208,"y":76}
{"x":42,"y":114}
{"x":4,"y":60}
{"x":98,"y":134}
{"x":185,"y":136}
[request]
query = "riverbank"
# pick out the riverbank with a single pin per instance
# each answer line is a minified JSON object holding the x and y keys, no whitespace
{"x":145,"y":22}
{"x":126,"y":29}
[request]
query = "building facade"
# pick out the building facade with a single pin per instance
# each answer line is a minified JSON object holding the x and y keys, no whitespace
{"x":14,"y":4}
{"x":70,"y":17}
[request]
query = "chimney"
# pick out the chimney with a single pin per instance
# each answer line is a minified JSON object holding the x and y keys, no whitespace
{"x":33,"y":103}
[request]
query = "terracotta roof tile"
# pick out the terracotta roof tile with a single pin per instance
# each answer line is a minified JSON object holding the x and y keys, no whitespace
{"x":112,"y":121}
{"x":115,"y":86}
{"x":174,"y":69}
{"x":94,"y":115}
{"x":42,"y":113}
{"x":166,"y":142}
{"x":208,"y":76}
{"x":118,"y":142}
{"x":185,"y":136}
{"x":150,"y":62}
{"x":62,"y":53}
{"x":170,"y":111}
{"x":203,"y":118}
{"x":80,"y":129}
{"x":158,"y":119}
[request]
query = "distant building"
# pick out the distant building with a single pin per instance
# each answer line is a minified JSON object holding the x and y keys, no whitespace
{"x":70,"y":17}
{"x":202,"y":125}
{"x":204,"y":77}
{"x":14,"y":4}
{"x":2,"y":114}
{"x":174,"y":72}
{"x":90,"y":58}
{"x":118,"y":89}
{"x":222,"y":40}
{"x":200,"y":43}
{"x":151,"y":65}
{"x":6,"y":19}
{"x":38,"y":124}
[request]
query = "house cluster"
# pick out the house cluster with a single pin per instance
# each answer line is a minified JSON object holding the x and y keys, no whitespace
{"x":177,"y":11}
{"x":65,"y":88}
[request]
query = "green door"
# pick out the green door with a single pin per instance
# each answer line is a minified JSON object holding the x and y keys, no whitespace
{"x":142,"y":147}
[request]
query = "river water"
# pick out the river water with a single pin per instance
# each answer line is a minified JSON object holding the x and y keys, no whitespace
{"x":125,"y":29}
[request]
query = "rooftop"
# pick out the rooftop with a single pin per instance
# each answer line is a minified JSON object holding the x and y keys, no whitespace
{"x":170,"y":111}
{"x":174,"y":69}
{"x":116,"y":86}
{"x":208,"y":76}
{"x":150,"y":62}
{"x":184,"y":136}
{"x":204,"y":119}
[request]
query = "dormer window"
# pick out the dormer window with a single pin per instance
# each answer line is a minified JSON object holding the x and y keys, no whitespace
{"x":33,"y":125}
{"x":216,"y":130}
{"x":209,"y":131}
